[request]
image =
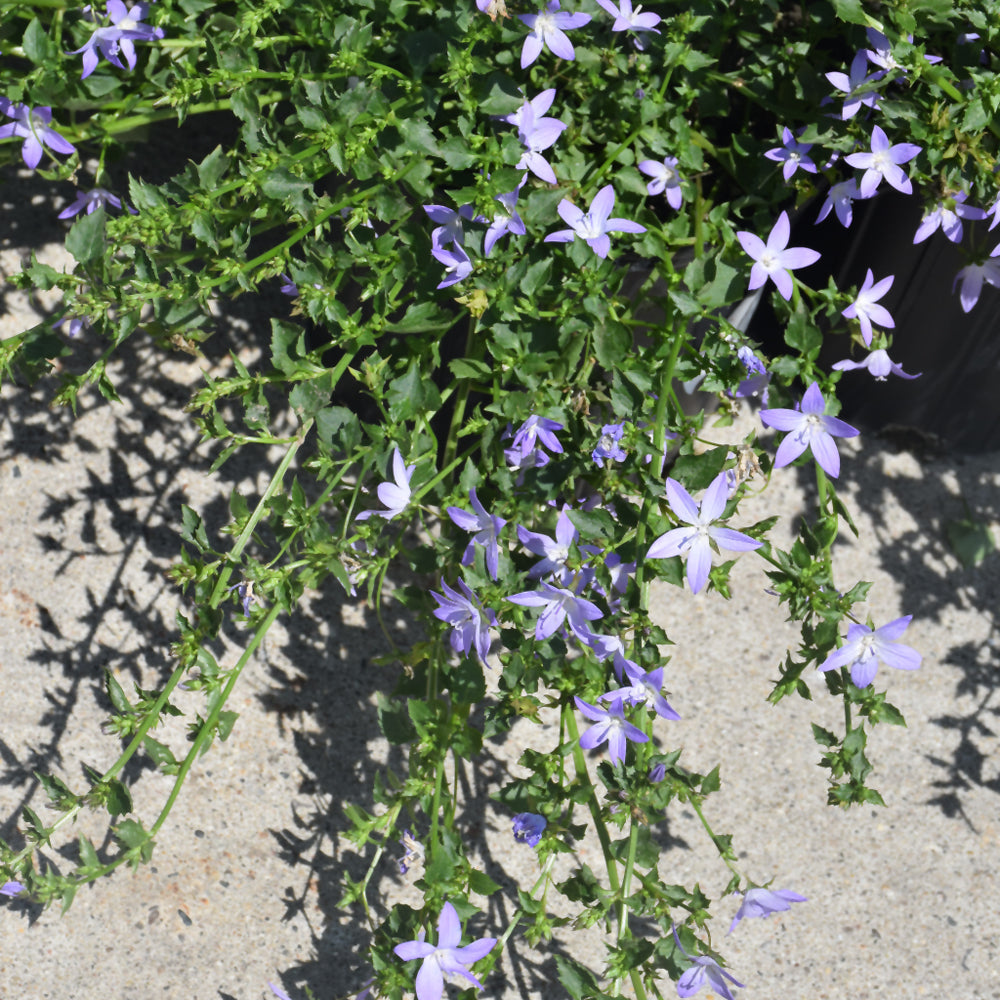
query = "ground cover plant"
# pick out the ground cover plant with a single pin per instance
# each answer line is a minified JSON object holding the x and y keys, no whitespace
{"x":511,"y":241}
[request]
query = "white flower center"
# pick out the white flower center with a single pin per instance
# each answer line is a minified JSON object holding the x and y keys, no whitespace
{"x":880,"y":161}
{"x":588,"y":228}
{"x":544,"y":23}
{"x":768,"y":260}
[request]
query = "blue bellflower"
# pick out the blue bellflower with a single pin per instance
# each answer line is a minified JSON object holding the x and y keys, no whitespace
{"x":696,"y":540}
{"x":865,"y":308}
{"x":883,"y":161}
{"x":446,"y":959}
{"x":627,"y":19}
{"x":91,"y":201}
{"x":793,"y":154}
{"x":705,"y":971}
{"x":119,"y":36}
{"x":487,"y":528}
{"x":809,"y":428}
{"x":593,"y":225}
{"x":470,"y":622}
{"x":775,"y":259}
{"x":611,"y":727}
{"x":395,"y":495}
{"x":34,"y":125}
{"x":764,"y":902}
{"x":548,"y":29}
{"x":528,"y":828}
{"x":865,"y":648}
{"x":666,"y":179}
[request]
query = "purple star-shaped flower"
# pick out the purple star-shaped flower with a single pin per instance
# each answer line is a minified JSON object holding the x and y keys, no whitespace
{"x":775,"y":259}
{"x":125,"y":29}
{"x":853,"y":84}
{"x":612,"y":728}
{"x":878,"y":363}
{"x":554,"y":552}
{"x":642,"y":687}
{"x":536,"y":134}
{"x":704,"y":971}
{"x":505,"y":221}
{"x":487,"y":528}
{"x":865,"y":307}
{"x":792,"y":154}
{"x":457,"y":265}
{"x":883,"y":161}
{"x":528,"y":828}
{"x":972,"y":277}
{"x":947,"y":216}
{"x":91,"y":200}
{"x":548,"y":28}
{"x":539,"y":104}
{"x":764,"y":902}
{"x":533,"y":435}
{"x":666,"y":179}
{"x":396,"y":495}
{"x":34,"y":126}
{"x":864,"y":649}
{"x":593,"y":225}
{"x":608,"y":447}
{"x":449,"y":224}
{"x":469,"y":621}
{"x":446,"y":958}
{"x":11,"y":888}
{"x":627,"y":19}
{"x":810,"y":428}
{"x":841,"y":198}
{"x":696,"y":539}
{"x":559,"y":605}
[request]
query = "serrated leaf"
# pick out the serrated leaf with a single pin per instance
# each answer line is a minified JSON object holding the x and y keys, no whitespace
{"x":35,"y":43}
{"x":227,"y":719}
{"x":119,"y":800}
{"x":159,"y":753}
{"x":213,"y":168}
{"x":85,"y":240}
{"x":970,"y":540}
{"x":193,"y":528}
{"x":116,"y":695}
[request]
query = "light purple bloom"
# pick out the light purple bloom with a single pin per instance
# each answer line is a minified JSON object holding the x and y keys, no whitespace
{"x":882,"y":55}
{"x":972,"y":277}
{"x":555,"y":552}
{"x":470,"y":622}
{"x":449,"y":224}
{"x":609,"y":447}
{"x":288,"y":286}
{"x":413,"y":852}
{"x":864,"y":649}
{"x":627,"y":19}
{"x":643,"y":686}
{"x":538,"y":104}
{"x":487,"y":528}
{"x":548,"y":28}
{"x":457,"y":265}
{"x":810,"y":428}
{"x":758,"y":377}
{"x":947,"y":215}
{"x":126,"y":28}
{"x":536,"y":134}
{"x":394,"y":496}
{"x":883,"y":161}
{"x":11,"y":888}
{"x":620,"y":571}
{"x":704,"y":971}
{"x":528,"y":828}
{"x":841,"y":197}
{"x":994,"y":210}
{"x":506,"y":221}
{"x":91,"y":200}
{"x":34,"y":126}
{"x":865,"y":307}
{"x":793,"y":154}
{"x":279,"y":992}
{"x":764,"y":902}
{"x":447,"y":958}
{"x":696,"y":540}
{"x":76,"y":325}
{"x":535,"y":433}
{"x":775,"y":259}
{"x":853,"y":83}
{"x":559,"y":605}
{"x":665,"y":179}
{"x":612,"y":728}
{"x":878,"y":363}
{"x":594,"y":225}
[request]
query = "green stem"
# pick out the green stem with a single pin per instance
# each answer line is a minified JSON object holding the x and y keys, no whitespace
{"x":205,"y":734}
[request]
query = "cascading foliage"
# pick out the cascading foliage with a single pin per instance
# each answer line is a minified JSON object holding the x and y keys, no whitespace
{"x":509,"y":241}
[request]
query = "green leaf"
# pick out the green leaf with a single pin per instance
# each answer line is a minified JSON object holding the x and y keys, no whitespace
{"x":852,"y":12}
{"x":116,"y":694}
{"x":593,"y":523}
{"x":160,"y":754}
{"x":88,"y":856}
{"x":394,"y":720}
{"x":227,"y":720}
{"x":119,"y":800}
{"x":213,"y":168}
{"x":470,"y":368}
{"x":537,"y":276}
{"x":281,"y":184}
{"x":136,"y":840}
{"x":308,"y":398}
{"x":972,"y":541}
{"x":481,"y":883}
{"x":193,"y":528}
{"x":411,"y":394}
{"x":85,"y":241}
{"x":423,"y":317}
{"x":35,"y":43}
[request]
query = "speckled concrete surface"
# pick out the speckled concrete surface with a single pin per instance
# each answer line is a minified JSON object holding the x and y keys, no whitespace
{"x":244,"y":882}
